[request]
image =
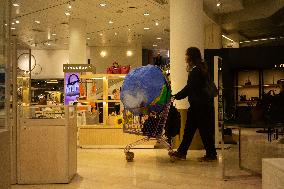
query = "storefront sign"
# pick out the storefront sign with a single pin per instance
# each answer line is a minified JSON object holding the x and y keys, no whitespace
{"x":75,"y":68}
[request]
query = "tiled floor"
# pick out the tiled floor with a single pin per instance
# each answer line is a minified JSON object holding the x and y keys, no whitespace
{"x":107,"y":169}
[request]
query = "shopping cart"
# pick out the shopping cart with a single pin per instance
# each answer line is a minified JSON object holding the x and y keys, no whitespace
{"x":149,"y":124}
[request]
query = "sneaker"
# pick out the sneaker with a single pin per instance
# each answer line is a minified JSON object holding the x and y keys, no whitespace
{"x":177,"y":156}
{"x":207,"y":159}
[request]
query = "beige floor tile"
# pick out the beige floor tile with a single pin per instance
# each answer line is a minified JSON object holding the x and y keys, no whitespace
{"x":107,"y":169}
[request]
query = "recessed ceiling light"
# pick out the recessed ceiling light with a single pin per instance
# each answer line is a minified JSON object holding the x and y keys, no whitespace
{"x":155,"y":45}
{"x":247,"y":41}
{"x":129,"y":29}
{"x":129,"y":53}
{"x":255,"y":40}
{"x":69,"y":6}
{"x":67,"y":13}
{"x":17,"y":21}
{"x":38,"y":22}
{"x":53,"y":34}
{"x":16,"y":5}
{"x":101,"y":34}
{"x":218,"y":4}
{"x":13,"y":28}
{"x":159,"y":38}
{"x":48,"y":44}
{"x":146,"y":28}
{"x":146,"y":14}
{"x":272,"y":38}
{"x":264,"y":39}
{"x":88,"y":38}
{"x":103,"y":4}
{"x":13,"y":23}
{"x":115,"y":33}
{"x":110,"y":22}
{"x":6,"y":24}
{"x":103,"y":53}
{"x":157,"y":23}
{"x":241,"y":42}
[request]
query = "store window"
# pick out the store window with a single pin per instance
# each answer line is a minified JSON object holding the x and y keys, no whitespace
{"x":4,"y":71}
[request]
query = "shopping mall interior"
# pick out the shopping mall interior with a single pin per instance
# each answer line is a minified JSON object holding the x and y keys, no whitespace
{"x":85,"y":99}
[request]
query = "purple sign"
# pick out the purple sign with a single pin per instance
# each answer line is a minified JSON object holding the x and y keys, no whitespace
{"x":71,"y":87}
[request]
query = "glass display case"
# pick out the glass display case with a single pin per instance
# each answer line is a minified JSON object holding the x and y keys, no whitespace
{"x":51,"y":133}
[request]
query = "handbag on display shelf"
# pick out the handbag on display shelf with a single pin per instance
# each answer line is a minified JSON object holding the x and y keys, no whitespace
{"x":125,"y":69}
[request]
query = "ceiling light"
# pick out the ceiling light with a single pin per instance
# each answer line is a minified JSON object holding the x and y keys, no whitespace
{"x":129,"y":53}
{"x":69,"y":6}
{"x":246,"y":41}
{"x":157,"y":23}
{"x":281,"y":37}
{"x":159,"y":38}
{"x":13,"y":28}
{"x":110,"y":22}
{"x":48,"y":44}
{"x":272,"y":38}
{"x":16,"y":5}
{"x":255,"y":40}
{"x":218,"y":4}
{"x":38,"y":22}
{"x":103,"y":53}
{"x":146,"y":14}
{"x":115,"y":33}
{"x":6,"y":24}
{"x":241,"y":42}
{"x":264,"y":39}
{"x":13,"y":23}
{"x":129,"y":29}
{"x":103,"y":4}
{"x":88,"y":38}
{"x":17,"y":21}
{"x":146,"y":28}
{"x":155,"y":45}
{"x":67,"y":13}
{"x":101,"y":34}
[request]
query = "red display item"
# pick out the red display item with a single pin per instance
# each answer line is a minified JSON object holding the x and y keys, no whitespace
{"x":116,"y":70}
{"x":125,"y":69}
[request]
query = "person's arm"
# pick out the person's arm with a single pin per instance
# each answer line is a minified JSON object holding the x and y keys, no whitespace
{"x":181,"y":94}
{"x":192,"y":85}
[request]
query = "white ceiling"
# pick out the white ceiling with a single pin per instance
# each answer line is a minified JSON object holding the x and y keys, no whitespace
{"x":128,"y":23}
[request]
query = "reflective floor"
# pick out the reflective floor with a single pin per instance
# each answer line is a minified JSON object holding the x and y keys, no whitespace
{"x":107,"y":168}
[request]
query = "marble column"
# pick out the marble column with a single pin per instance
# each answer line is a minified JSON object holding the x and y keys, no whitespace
{"x":77,"y":42}
{"x":187,"y":30}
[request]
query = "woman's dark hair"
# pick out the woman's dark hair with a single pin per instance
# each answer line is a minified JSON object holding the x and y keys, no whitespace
{"x":195,"y":58}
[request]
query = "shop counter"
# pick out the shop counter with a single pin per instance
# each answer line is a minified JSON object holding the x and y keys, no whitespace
{"x":46,"y":145}
{"x":107,"y":136}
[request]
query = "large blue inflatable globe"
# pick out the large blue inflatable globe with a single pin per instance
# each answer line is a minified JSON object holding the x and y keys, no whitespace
{"x":145,"y":89}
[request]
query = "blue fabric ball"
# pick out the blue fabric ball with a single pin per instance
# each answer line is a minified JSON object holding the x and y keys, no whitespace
{"x":141,"y":86}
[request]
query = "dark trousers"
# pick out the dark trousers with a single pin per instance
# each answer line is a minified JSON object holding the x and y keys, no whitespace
{"x":199,"y":117}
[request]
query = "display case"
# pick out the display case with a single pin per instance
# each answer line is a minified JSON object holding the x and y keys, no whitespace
{"x":248,"y":87}
{"x":101,"y":128}
{"x":49,"y":133}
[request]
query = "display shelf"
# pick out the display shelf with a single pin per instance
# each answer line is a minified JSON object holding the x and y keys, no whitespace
{"x":102,"y":76}
{"x":271,"y":85}
{"x":246,"y":86}
{"x":103,"y":101}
